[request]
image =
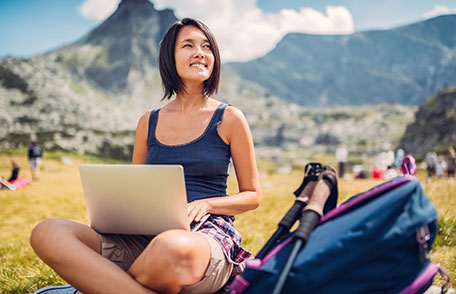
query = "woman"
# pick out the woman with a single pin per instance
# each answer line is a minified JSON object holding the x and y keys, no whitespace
{"x":200,"y":133}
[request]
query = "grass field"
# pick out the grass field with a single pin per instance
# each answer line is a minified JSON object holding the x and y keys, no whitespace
{"x":59,"y":194}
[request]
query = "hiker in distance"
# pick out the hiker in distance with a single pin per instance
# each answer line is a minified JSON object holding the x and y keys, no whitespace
{"x":202,"y":135}
{"x":35,"y":152}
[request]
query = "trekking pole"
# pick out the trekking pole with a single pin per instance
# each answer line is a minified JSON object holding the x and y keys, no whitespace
{"x":311,"y":171}
{"x":325,"y":191}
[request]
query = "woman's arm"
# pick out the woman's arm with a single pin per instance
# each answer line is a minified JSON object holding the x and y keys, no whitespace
{"x":234,"y":130}
{"x":140,"y":148}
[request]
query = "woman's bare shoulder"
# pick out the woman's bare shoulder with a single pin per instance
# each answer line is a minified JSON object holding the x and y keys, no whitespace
{"x":233,"y":115}
{"x":144,"y":119}
{"x":146,"y":114}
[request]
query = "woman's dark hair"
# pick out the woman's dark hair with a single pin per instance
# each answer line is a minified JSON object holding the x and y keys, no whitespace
{"x":171,"y":81}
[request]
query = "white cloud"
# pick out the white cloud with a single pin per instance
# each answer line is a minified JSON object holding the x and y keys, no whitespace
{"x":97,"y":9}
{"x":243,"y":30}
{"x":439,"y":10}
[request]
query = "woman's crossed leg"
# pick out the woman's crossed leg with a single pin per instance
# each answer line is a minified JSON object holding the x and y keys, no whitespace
{"x":172,"y":260}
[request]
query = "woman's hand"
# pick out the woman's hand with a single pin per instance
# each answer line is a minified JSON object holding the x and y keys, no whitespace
{"x":198,"y":209}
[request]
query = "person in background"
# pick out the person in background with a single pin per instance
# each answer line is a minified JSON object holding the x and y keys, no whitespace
{"x":441,"y":167}
{"x":14,"y":171}
{"x":14,"y":175}
{"x":432,"y":162}
{"x":390,"y":173}
{"x":400,"y":153}
{"x":35,"y":152}
{"x":451,"y":162}
{"x":341,"y":158}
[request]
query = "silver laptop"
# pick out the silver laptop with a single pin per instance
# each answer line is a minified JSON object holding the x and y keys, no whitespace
{"x":134,"y":199}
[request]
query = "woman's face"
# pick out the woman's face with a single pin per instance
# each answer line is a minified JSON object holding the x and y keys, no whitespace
{"x":193,"y":55}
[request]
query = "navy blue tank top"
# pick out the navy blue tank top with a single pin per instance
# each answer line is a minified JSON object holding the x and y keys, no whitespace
{"x":205,"y":159}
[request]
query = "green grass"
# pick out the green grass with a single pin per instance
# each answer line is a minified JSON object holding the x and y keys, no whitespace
{"x":59,"y":194}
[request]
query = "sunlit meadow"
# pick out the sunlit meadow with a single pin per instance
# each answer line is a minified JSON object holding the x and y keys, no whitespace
{"x":59,"y":194}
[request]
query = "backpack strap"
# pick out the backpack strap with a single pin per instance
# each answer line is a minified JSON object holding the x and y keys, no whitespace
{"x":408,"y":166}
{"x":425,"y":277}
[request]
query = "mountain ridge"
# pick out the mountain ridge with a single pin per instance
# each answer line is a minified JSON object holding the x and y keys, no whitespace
{"x":368,"y":67}
{"x":120,"y":58}
{"x":87,"y":96}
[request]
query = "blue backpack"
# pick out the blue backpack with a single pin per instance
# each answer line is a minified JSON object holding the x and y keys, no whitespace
{"x":375,"y":242}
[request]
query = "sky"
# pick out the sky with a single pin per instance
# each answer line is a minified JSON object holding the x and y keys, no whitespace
{"x":244,"y":29}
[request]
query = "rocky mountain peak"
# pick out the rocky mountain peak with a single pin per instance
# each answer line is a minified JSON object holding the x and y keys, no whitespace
{"x":122,"y":47}
{"x":133,"y":4}
{"x":124,"y":22}
{"x":434,"y":124}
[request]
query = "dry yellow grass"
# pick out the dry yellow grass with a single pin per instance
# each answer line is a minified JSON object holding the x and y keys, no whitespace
{"x":59,"y":194}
